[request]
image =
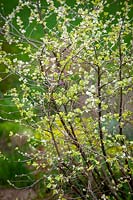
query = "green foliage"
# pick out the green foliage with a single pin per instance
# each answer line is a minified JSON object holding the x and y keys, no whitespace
{"x":15,"y":171}
{"x":74,"y":87}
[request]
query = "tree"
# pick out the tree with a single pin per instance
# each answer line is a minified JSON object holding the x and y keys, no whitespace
{"x":73,"y":64}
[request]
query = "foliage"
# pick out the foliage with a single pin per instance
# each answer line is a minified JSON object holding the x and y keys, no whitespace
{"x":75,"y":78}
{"x":13,"y":167}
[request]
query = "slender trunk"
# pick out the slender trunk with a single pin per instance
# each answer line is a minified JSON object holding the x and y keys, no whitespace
{"x":100,"y":125}
{"x":55,"y":143}
{"x":121,"y":91}
{"x":130,"y":182}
